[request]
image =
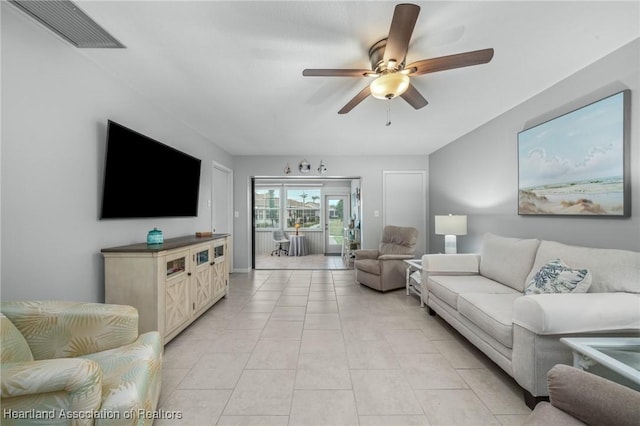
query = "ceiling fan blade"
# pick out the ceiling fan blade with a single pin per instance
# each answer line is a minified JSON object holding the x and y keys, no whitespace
{"x":443,"y":63}
{"x":402,"y":24}
{"x":414,"y":98}
{"x":356,"y":100}
{"x":336,"y":73}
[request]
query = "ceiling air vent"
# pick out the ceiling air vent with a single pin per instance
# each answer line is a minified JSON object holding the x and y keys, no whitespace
{"x":70,"y":22}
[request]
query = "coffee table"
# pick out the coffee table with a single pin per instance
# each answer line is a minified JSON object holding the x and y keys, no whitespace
{"x":616,"y":358}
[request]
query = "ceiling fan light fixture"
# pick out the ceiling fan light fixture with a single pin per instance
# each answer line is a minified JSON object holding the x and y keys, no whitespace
{"x":389,"y":85}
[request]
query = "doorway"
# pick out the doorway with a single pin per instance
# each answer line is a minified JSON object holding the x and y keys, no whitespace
{"x":317,"y":209}
{"x":336,"y":209}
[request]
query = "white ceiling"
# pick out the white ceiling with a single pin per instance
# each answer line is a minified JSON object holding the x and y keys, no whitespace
{"x":233,"y":70}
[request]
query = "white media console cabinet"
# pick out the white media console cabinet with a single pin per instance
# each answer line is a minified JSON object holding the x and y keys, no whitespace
{"x":171,"y":284}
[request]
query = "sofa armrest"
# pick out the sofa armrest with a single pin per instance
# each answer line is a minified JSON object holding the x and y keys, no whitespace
{"x":450,"y":264}
{"x":592,"y":399}
{"x":80,"y":378}
{"x":366,"y":254}
{"x":395,"y":257}
{"x":577,"y":313}
{"x":57,"y":329}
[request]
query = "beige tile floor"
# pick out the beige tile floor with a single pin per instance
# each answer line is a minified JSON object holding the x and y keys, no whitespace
{"x":315,"y":348}
{"x":312,"y":261}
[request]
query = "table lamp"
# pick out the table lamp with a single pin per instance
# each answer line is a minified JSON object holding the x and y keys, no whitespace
{"x":450,"y":226}
{"x":297,"y":226}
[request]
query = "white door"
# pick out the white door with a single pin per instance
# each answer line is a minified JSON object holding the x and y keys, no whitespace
{"x":222,"y":204}
{"x":405,"y":203}
{"x":221,"y":199}
{"x":336,"y":216}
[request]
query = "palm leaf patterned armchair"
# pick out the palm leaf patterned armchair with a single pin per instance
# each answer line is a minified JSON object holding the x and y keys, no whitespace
{"x":77,"y":363}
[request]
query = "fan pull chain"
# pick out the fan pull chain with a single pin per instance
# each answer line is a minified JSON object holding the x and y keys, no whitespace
{"x":388,"y":123}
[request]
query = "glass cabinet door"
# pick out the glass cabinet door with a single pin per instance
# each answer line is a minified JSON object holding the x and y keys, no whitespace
{"x":176,"y":266}
{"x":202,"y":256}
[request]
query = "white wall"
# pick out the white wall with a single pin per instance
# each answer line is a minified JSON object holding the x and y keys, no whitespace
{"x":55,"y":106}
{"x":369,"y":168}
{"x":477,"y":174}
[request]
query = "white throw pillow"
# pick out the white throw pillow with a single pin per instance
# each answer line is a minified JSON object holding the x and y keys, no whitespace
{"x":556,"y":277}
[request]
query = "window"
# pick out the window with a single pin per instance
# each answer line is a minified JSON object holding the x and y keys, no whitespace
{"x":267,"y":207}
{"x":303,"y":206}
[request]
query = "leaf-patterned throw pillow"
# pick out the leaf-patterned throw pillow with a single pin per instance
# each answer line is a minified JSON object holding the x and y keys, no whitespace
{"x":557,"y":277}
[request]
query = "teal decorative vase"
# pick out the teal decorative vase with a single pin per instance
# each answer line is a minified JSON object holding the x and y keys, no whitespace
{"x":155,"y":236}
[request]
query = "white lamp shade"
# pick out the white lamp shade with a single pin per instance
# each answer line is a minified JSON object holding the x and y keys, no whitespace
{"x":451,"y":225}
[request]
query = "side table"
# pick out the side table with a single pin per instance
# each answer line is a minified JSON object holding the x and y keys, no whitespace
{"x":615,"y":358}
{"x":297,"y":245}
{"x":413,"y":281}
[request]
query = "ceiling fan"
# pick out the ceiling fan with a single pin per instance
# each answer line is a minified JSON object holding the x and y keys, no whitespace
{"x":388,"y":58}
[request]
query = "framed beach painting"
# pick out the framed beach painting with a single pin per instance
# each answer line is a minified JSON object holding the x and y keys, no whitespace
{"x":577,"y":164}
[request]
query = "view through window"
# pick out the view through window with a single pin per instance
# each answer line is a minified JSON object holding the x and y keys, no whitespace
{"x":300,"y":205}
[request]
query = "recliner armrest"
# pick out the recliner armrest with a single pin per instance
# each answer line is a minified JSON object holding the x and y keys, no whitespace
{"x":366,"y":254}
{"x":592,"y":399}
{"x":577,"y":312}
{"x":395,"y":257}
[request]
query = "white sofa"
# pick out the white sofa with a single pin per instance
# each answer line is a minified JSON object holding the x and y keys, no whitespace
{"x":482,"y":296}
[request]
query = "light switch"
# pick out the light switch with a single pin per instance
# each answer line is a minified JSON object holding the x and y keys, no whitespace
{"x":376,"y":213}
{"x":236,"y":214}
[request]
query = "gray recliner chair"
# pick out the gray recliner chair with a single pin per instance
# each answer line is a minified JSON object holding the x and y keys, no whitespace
{"x":384,"y":269}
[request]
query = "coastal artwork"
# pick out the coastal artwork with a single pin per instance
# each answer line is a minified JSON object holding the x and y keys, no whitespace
{"x":574,"y":164}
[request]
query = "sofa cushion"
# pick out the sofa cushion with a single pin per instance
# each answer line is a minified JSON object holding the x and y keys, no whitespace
{"x":611,"y":269}
{"x":508,"y":260}
{"x":492,"y":313}
{"x":556,"y":277}
{"x":448,"y":287}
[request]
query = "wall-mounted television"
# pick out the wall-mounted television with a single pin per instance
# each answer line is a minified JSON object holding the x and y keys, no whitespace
{"x":146,"y":178}
{"x":577,"y":164}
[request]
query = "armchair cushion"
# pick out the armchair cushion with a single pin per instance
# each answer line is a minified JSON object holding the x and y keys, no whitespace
{"x":57,"y":329}
{"x":14,"y":348}
{"x":371,"y":266}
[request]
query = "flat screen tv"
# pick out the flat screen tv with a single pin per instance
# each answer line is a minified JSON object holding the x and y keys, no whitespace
{"x":146,"y":178}
{"x":577,"y":164}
